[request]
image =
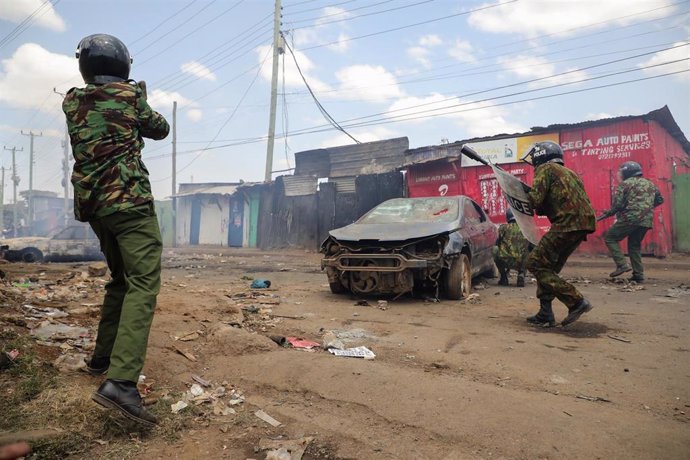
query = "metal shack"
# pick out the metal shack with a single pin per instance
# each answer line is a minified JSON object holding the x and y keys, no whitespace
{"x":593,"y":149}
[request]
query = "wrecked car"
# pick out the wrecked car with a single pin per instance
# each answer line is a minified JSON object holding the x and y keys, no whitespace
{"x":406,"y":244}
{"x":75,"y":243}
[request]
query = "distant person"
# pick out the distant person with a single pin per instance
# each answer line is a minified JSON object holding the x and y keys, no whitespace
{"x":633,"y":205}
{"x":557,"y":193}
{"x":106,"y":121}
{"x":511,"y":251}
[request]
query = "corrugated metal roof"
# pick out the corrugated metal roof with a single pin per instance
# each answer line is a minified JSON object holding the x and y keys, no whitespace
{"x":432,"y":153}
{"x":353,"y":160}
{"x":368,"y":157}
{"x":207,"y":189}
{"x":299,"y":185}
{"x":345,"y":184}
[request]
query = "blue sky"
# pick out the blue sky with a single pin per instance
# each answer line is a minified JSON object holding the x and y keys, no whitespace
{"x":429,"y":70}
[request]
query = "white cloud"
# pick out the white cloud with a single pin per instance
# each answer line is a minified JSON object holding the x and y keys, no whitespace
{"x":371,"y":83}
{"x":536,"y":17}
{"x":533,"y":67}
{"x":598,"y":116}
{"x":430,"y":40}
{"x":680,"y":52}
{"x":462,"y":51}
{"x":292,"y":76}
{"x":198,"y":70}
{"x":163,"y":102}
{"x":323,"y":30}
{"x":342,"y":45}
{"x":18,"y":10}
{"x":475,"y":119}
{"x":420,"y":52}
{"x":28,"y":77}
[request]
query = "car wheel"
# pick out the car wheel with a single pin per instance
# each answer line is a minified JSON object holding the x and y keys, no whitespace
{"x":458,"y":278}
{"x":31,"y":255}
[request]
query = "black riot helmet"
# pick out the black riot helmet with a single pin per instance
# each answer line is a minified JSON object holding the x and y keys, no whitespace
{"x":103,"y":59}
{"x":630,"y":169}
{"x":543,"y":152}
{"x":510,"y":218}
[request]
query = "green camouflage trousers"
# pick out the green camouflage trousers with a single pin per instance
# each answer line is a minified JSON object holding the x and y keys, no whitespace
{"x":509,"y":263}
{"x":635,"y":234}
{"x":547,"y":260}
{"x":131,"y":242}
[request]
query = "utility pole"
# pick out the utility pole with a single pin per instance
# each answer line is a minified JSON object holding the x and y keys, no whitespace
{"x":15,"y":181}
{"x":174,"y":174}
{"x":277,"y":51}
{"x":65,"y":177}
{"x":31,"y":135}
{"x":2,"y":205}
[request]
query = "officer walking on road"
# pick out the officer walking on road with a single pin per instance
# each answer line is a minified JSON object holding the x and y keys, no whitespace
{"x":511,"y":251}
{"x":557,"y":193}
{"x":106,"y":121}
{"x":633,"y":205}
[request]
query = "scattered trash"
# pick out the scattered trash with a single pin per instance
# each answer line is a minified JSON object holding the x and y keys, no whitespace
{"x":186,"y":336}
{"x":267,"y":418}
{"x":295,"y":448}
{"x":260,"y":284}
{"x":362,"y":303}
{"x":7,"y":359}
{"x":186,"y":354}
{"x":43,"y":312}
{"x":98,"y":269}
{"x":472,"y":298}
{"x":676,"y":292}
{"x":357,"y":352}
{"x":196,"y":390}
{"x":440,"y":365}
{"x":568,"y":413}
{"x":58,"y":331}
{"x":70,"y":362}
{"x":200,"y":381}
{"x":593,"y":398}
{"x":620,"y":339}
{"x":298,"y":342}
{"x":247,"y":278}
{"x":383,"y":305}
{"x":178,"y":406}
{"x":330,"y":340}
{"x":480,"y":286}
{"x":280,"y":454}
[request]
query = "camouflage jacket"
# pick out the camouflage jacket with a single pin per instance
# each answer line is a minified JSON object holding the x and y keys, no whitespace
{"x":635,"y":200}
{"x":511,"y":243}
{"x":106,"y":124}
{"x":558,"y":193}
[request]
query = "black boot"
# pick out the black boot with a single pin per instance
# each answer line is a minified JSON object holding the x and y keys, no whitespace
{"x":504,"y":277}
{"x":124,"y":396}
{"x":97,"y":366}
{"x":545,"y":316}
{"x":521,"y":279}
{"x":575,"y":312}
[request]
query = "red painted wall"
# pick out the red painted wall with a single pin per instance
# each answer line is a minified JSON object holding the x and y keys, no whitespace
{"x":594,"y":153}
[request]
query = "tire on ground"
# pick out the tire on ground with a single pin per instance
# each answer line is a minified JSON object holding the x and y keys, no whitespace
{"x":458,"y":278}
{"x":31,"y":255}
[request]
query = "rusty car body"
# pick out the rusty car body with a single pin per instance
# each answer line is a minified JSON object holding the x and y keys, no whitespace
{"x":406,"y":244}
{"x":74,"y":243}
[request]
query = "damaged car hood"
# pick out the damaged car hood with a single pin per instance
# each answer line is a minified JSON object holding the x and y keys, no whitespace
{"x":392,"y":232}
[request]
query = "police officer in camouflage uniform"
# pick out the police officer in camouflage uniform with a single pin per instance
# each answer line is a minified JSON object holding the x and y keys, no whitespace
{"x":511,"y":251}
{"x":557,"y":193}
{"x":106,"y":121}
{"x":633,"y":205}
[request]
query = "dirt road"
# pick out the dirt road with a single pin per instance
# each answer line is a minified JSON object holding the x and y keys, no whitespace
{"x":450,"y":380}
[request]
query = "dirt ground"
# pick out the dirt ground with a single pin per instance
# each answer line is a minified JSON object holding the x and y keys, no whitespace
{"x":451,"y":380}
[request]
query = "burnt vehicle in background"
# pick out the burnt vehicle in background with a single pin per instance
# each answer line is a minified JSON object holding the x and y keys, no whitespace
{"x":406,"y":244}
{"x":75,"y":243}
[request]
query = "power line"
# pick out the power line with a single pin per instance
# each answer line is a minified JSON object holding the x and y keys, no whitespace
{"x":371,"y":5}
{"x":162,"y":22}
{"x":321,"y":108}
{"x":26,"y":23}
{"x":395,"y":29}
{"x":318,"y":7}
{"x":319,"y":24}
